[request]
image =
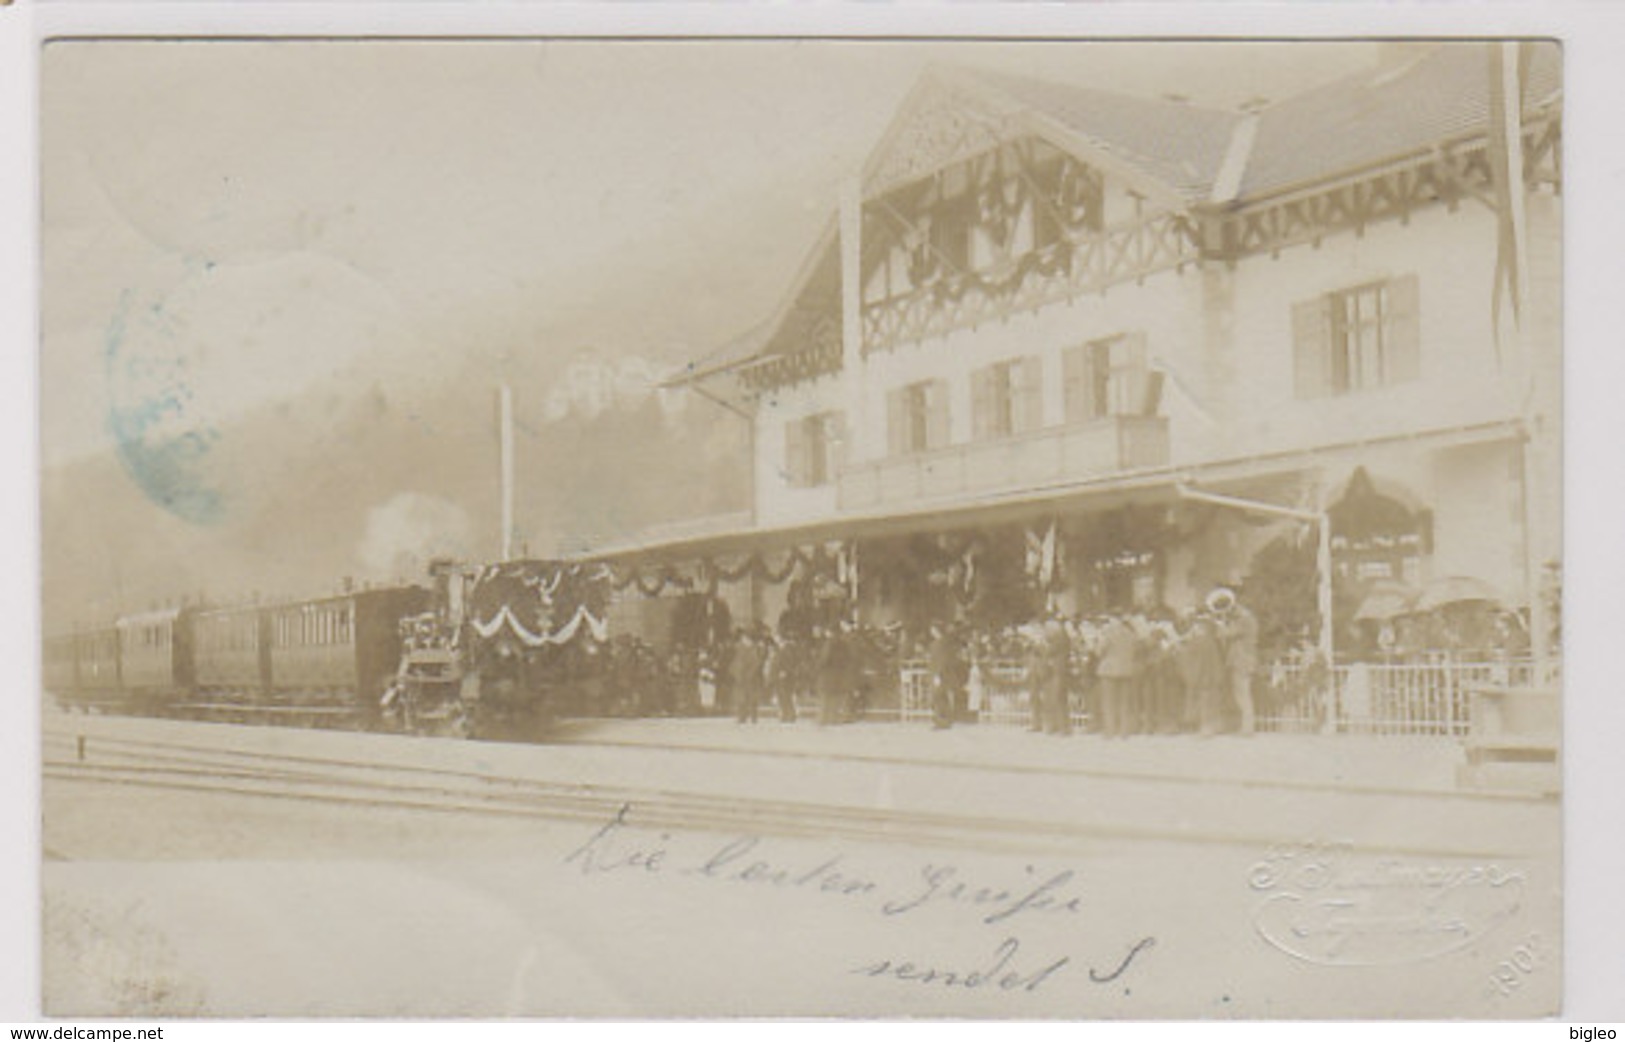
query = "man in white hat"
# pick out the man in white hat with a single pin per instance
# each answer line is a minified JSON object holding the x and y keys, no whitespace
{"x":1238,"y":629}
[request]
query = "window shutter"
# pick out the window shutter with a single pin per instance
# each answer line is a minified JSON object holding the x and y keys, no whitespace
{"x":1128,"y":375}
{"x":1311,"y":343}
{"x":1402,"y":335}
{"x":897,"y":422}
{"x":835,"y":442}
{"x":795,"y":453}
{"x":1030,"y":412}
{"x":981,"y":403}
{"x":936,"y":414}
{"x":1075,"y":382}
{"x":1151,"y":402}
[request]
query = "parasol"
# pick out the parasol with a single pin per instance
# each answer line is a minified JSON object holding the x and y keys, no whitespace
{"x":1456,"y":589}
{"x":1387,"y":599}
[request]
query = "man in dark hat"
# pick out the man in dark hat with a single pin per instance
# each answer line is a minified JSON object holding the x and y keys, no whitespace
{"x":786,"y":671}
{"x":940,"y":657}
{"x":1057,"y":650}
{"x":746,"y":668}
{"x":836,"y":673}
{"x":1201,"y":665}
{"x":1119,"y":671}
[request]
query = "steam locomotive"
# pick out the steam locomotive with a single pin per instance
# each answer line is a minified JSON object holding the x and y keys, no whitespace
{"x":467,"y":654}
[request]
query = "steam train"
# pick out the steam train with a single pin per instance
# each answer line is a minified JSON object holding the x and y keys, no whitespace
{"x":470,"y":653}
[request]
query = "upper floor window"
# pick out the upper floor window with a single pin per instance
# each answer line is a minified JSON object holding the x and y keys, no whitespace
{"x":1356,"y":339}
{"x":1109,"y":377}
{"x":811,"y":448}
{"x":1007,"y":398}
{"x":917,"y":417}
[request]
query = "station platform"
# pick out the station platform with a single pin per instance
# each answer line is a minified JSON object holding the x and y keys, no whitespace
{"x":1354,"y":763}
{"x":1394,"y":764}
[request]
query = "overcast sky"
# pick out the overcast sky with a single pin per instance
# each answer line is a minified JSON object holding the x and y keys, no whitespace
{"x":266,"y":215}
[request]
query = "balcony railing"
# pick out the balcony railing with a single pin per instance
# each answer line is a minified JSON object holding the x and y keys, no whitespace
{"x":1094,"y":449}
{"x":1125,"y":252}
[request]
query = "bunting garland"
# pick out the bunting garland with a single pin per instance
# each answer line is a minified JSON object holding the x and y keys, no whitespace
{"x":540,"y":603}
{"x":765,"y":570}
{"x":832,"y":559}
{"x":506,"y":617}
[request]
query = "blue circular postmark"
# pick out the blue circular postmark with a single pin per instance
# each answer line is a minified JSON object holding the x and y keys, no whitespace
{"x":163,"y":445}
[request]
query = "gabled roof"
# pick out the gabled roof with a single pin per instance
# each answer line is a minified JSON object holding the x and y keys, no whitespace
{"x":1387,"y":113}
{"x":1178,"y":144}
{"x":1184,"y":154}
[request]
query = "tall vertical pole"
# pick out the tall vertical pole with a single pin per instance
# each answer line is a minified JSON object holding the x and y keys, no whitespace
{"x":856,"y":448}
{"x":1512,"y":271}
{"x":1323,"y":568}
{"x":505,"y":436}
{"x":852,"y":363}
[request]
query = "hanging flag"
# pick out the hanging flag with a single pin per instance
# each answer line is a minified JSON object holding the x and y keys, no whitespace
{"x":1057,"y":557}
{"x":1505,"y":154}
{"x":1041,"y":555}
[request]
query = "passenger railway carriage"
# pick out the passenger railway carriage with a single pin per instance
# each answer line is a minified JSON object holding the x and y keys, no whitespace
{"x":82,"y":669}
{"x":326,"y":660}
{"x":233,"y":652}
{"x":339,"y":653}
{"x":155,"y":657}
{"x":59,"y":664}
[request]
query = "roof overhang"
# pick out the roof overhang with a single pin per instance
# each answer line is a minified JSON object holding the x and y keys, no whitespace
{"x":1149,"y":486}
{"x":747,"y":350}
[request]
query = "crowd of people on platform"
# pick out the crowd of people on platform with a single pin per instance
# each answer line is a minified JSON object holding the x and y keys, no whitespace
{"x":841,"y":668}
{"x":1137,"y":672}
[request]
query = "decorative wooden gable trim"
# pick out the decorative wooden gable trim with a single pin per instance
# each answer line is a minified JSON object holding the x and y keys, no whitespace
{"x":1010,"y":229}
{"x":949,"y":119}
{"x":1449,"y":174}
{"x":940,"y":123}
{"x":817,"y":351}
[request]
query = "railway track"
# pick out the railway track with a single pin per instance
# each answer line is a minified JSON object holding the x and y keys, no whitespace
{"x":364,"y":785}
{"x":451,"y":777}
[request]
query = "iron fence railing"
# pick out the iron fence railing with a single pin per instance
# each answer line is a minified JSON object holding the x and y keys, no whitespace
{"x":1428,"y":698}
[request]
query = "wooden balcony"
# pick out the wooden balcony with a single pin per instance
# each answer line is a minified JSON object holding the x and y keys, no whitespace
{"x":1090,"y":263}
{"x":1088,"y":450}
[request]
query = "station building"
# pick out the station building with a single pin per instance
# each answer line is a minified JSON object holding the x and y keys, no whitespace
{"x":1128,"y":349}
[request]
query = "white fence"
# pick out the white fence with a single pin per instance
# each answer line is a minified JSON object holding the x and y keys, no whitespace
{"x":997,"y":694}
{"x":1430,"y":698}
{"x":1433,"y":698}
